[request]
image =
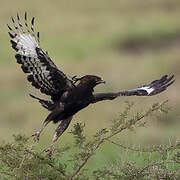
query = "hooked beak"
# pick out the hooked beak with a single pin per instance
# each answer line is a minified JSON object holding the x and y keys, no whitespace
{"x":101,"y":81}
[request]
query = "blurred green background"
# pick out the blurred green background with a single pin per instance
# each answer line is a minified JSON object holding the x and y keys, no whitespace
{"x":126,"y":42}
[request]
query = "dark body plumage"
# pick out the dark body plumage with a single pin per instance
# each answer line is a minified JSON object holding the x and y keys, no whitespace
{"x":68,"y":96}
{"x":72,"y":100}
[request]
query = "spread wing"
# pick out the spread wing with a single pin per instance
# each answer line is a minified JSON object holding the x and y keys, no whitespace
{"x":153,"y":88}
{"x":43,"y":73}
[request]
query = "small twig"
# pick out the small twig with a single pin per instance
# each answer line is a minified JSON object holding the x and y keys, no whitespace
{"x":155,"y":149}
{"x":86,"y":159}
{"x":43,"y":159}
{"x":6,"y":173}
{"x":6,"y":162}
{"x":131,"y":149}
{"x":22,"y":162}
{"x":150,"y":165}
{"x":80,"y":167}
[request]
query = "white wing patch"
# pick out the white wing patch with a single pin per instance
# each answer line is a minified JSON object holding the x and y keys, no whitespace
{"x":149,"y":90}
{"x":26,"y":44}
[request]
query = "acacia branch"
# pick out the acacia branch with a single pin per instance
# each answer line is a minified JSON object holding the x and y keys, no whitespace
{"x":48,"y":163}
{"x":149,"y":166}
{"x":154,"y":149}
{"x":6,"y":173}
{"x":76,"y":172}
{"x":86,"y":159}
{"x":131,"y":149}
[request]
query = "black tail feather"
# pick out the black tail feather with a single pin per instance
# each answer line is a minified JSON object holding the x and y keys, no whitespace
{"x":46,"y":104}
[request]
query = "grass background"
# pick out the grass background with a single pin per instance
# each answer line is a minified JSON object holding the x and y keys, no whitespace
{"x":128,"y":43}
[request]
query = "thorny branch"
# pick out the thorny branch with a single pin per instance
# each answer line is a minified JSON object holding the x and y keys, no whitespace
{"x":153,"y":149}
{"x":43,"y":159}
{"x":149,"y":166}
{"x":76,"y":172}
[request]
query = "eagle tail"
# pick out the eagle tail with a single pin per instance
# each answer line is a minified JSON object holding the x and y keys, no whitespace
{"x":46,"y":104}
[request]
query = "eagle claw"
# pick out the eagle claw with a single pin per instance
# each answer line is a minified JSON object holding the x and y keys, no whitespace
{"x":49,"y":151}
{"x":36,"y":137}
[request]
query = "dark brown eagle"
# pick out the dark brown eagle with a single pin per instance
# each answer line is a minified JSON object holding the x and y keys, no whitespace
{"x":68,"y":96}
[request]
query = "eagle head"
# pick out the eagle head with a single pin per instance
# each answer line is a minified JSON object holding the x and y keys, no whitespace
{"x":90,"y":81}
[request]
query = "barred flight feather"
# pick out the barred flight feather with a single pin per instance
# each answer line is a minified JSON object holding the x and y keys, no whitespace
{"x":43,"y":73}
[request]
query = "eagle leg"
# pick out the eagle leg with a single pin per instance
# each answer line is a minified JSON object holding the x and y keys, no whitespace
{"x":37,"y":134}
{"x":59,"y":131}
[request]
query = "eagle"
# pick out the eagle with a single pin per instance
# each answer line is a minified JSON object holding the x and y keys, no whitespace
{"x":68,"y":95}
